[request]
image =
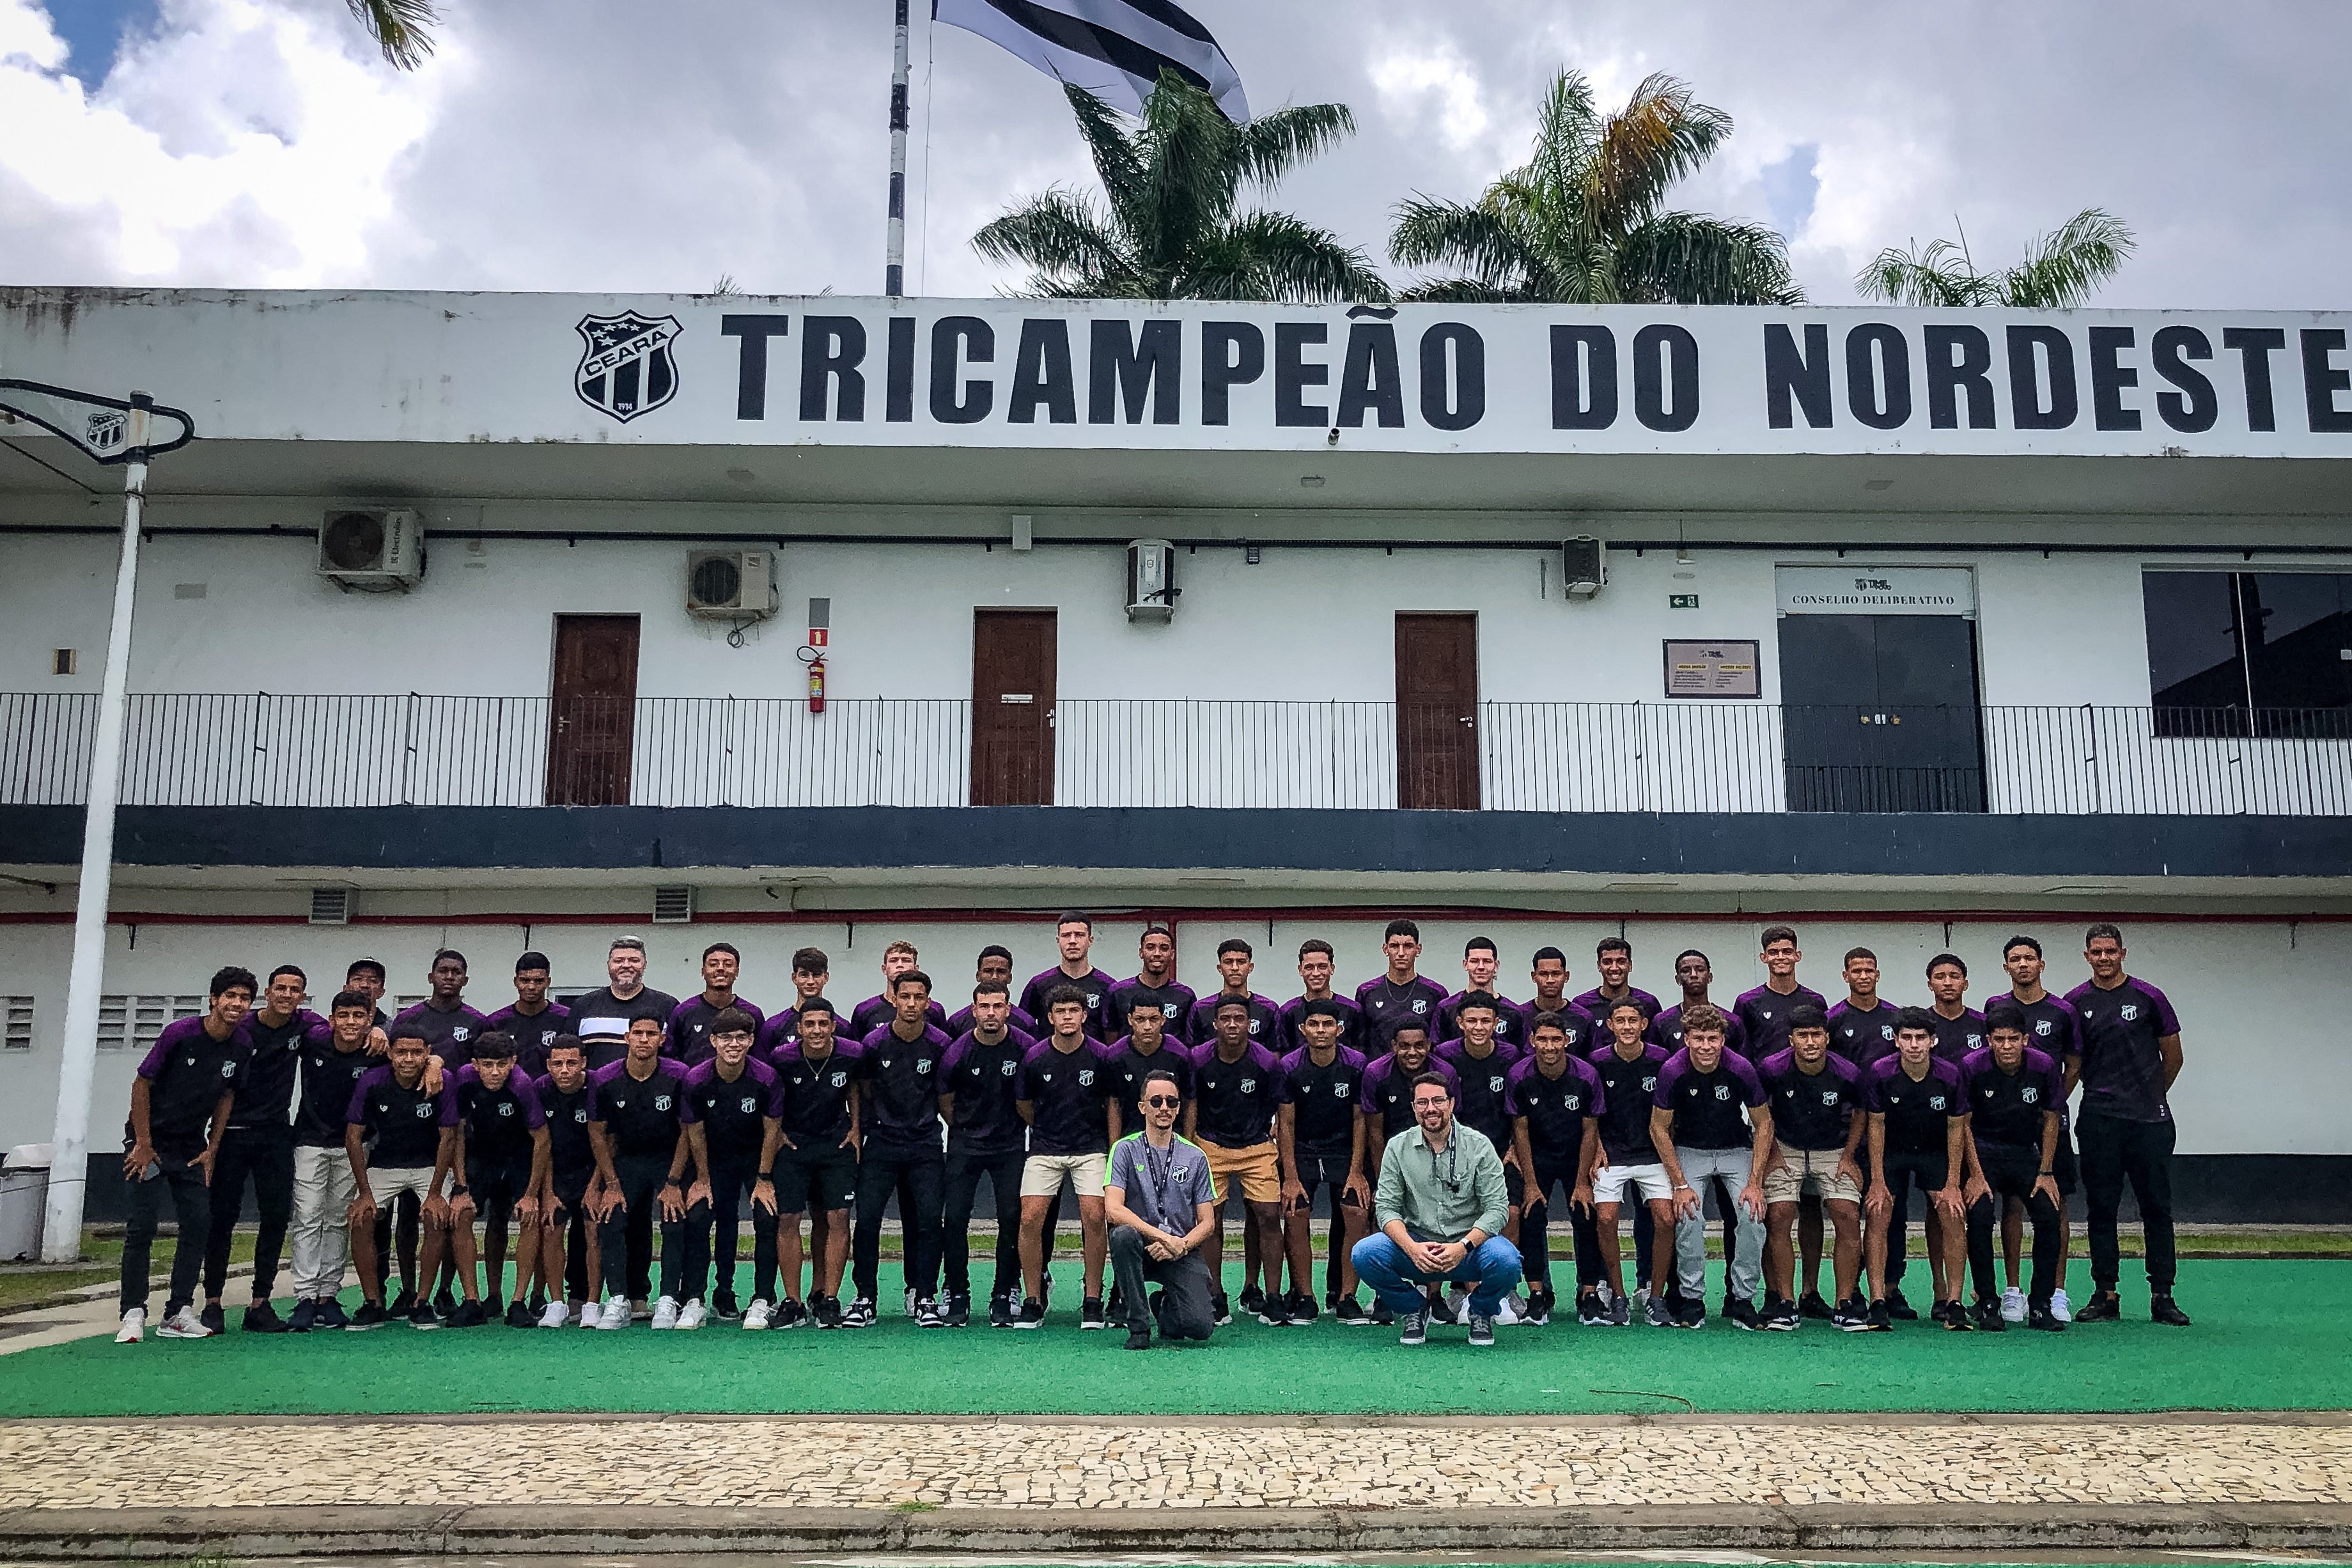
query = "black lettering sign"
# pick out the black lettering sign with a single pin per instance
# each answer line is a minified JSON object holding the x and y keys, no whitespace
{"x":1119,"y":370}
{"x":1878,"y":375}
{"x":956,"y":341}
{"x":1041,"y":377}
{"x":2322,"y":380}
{"x":2171,"y":351}
{"x":1293,"y":375}
{"x":1467,"y":405}
{"x":2029,"y":346}
{"x":2255,"y":345}
{"x":832,"y":350}
{"x":1794,"y":379}
{"x":1583,"y":377}
{"x":2109,"y":378}
{"x":1233,"y":354}
{"x":1370,"y":380}
{"x":1665,"y":378}
{"x":899,"y":387}
{"x":751,"y":359}
{"x":1959,"y":361}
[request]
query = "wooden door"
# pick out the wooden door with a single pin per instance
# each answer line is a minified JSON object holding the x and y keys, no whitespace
{"x":1437,"y":712}
{"x":1012,"y":666}
{"x":593,"y":721}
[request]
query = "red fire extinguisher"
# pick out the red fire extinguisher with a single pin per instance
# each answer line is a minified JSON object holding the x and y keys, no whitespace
{"x":814,"y":657}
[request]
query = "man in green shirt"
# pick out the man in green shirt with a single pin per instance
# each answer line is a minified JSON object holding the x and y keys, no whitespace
{"x":1441,"y":1207}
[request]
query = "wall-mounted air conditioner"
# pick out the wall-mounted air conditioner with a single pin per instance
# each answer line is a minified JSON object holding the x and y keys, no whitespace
{"x":730,"y":584}
{"x":372,"y":550}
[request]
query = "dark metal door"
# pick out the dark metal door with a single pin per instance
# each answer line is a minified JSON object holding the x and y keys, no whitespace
{"x":593,"y":724}
{"x":1437,"y":712}
{"x":1879,"y":713}
{"x":1012,"y":692}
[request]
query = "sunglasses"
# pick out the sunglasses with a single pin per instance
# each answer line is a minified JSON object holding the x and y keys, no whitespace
{"x":1163,"y":1102}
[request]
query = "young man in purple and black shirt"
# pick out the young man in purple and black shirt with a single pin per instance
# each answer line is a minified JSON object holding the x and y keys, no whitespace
{"x":1628,"y":1068}
{"x":1959,"y":1028}
{"x":2130,"y":1053}
{"x":1547,"y":980}
{"x":1146,"y":1047}
{"x":401,"y":1137}
{"x":1861,"y":1025}
{"x":1068,"y":1099}
{"x":1317,"y":966}
{"x":1230,"y":1116}
{"x":1763,"y":1013}
{"x":689,"y":1031}
{"x":1154,"y":984}
{"x":1481,"y":961}
{"x":817,"y":1169}
{"x":637,"y":1129}
{"x":1614,"y":956}
{"x":443,"y":1020}
{"x":259,"y":1148}
{"x":734,"y":1125}
{"x":995,"y":967}
{"x":1321,"y":1141}
{"x":2014,"y":1092}
{"x":568,"y":1262}
{"x":1918,"y":1138}
{"x":1074,"y":935}
{"x":899,"y":1085}
{"x":181,"y":1102}
{"x":981,"y":1088}
{"x":1818,"y":1122}
{"x":2055,"y":1030}
{"x":502,"y":1164}
{"x":1399,"y":998}
{"x":812,"y":970}
{"x":1709,"y":1121}
{"x":1235,"y":964}
{"x":531,"y":1020}
{"x":1554,"y":1099}
{"x":332,"y":1065}
{"x":1695,"y":978}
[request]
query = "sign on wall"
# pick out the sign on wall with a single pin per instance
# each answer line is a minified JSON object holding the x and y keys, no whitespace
{"x":1877,"y":591}
{"x":1720,"y":669}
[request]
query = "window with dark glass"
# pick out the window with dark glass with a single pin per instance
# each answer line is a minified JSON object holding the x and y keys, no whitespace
{"x":2250,"y":652}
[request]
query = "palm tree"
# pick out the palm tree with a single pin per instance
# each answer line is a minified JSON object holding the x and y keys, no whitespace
{"x":1168,"y":227}
{"x":1581,"y":223}
{"x":2060,"y":270}
{"x":401,"y":28}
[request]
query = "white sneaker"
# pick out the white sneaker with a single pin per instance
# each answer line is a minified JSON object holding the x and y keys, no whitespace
{"x":185,"y":1324}
{"x":691,"y":1316}
{"x":615,"y":1314}
{"x":755,"y":1316}
{"x":1457,"y":1305}
{"x":2060,"y":1307}
{"x":589,"y":1314}
{"x":2012,"y":1305}
{"x":1511,"y":1311}
{"x":554,"y":1317}
{"x":666,"y":1313}
{"x":910,"y":1301}
{"x":134,"y":1327}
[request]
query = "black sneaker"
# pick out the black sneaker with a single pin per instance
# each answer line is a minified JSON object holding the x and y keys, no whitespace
{"x":1988,"y":1317}
{"x":262,"y":1318}
{"x":1953,"y":1316}
{"x":789,"y":1314}
{"x":403,"y":1303}
{"x":2165,"y":1310}
{"x":861,"y":1314}
{"x":826,"y":1311}
{"x":1413,"y":1328}
{"x":520,"y":1316}
{"x":723,"y":1307}
{"x":1350,"y":1312}
{"x":2104,"y":1307}
{"x":331,"y":1313}
{"x":1274,"y":1311}
{"x":1538,"y":1311}
{"x":1742,"y":1314}
{"x":214,"y":1319}
{"x":1117,"y":1303}
{"x":1692,"y":1314}
{"x":1851,"y":1316}
{"x":999,"y":1312}
{"x":1138,"y":1339}
{"x":2043,"y":1318}
{"x":421,"y":1316}
{"x":1033,"y":1314}
{"x":1898,"y":1308}
{"x":1781,"y":1315}
{"x":1253,"y":1299}
{"x":1300,"y":1308}
{"x":468,"y":1315}
{"x":1812,"y":1306}
{"x":1590,"y":1310}
{"x":958,"y":1313}
{"x":370,"y":1315}
{"x":1221,"y":1309}
{"x":305,"y":1317}
{"x":1381,"y":1317}
{"x":1092,"y":1315}
{"x":443,"y":1302}
{"x":1882,"y":1318}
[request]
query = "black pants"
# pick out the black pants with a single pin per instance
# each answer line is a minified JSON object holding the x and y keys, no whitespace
{"x":398,"y":1221}
{"x":965,"y":1171}
{"x":2011,"y":1170}
{"x":184,"y":1182}
{"x":642,"y":1178}
{"x":2113,"y":1152}
{"x":729,"y":1192}
{"x":265,"y":1156}
{"x":1184,"y":1297}
{"x":1535,"y":1224}
{"x":882,"y":1175}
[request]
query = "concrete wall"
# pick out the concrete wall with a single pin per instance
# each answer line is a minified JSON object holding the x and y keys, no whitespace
{"x":2228,"y":1101}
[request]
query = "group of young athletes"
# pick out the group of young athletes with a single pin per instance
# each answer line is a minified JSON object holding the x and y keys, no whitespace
{"x":615,"y":1145}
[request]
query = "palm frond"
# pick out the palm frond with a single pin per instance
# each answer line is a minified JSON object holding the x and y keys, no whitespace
{"x":1060,"y":234}
{"x":1936,"y":274}
{"x":401,"y":28}
{"x":1662,"y":134}
{"x":1273,"y":145}
{"x":1476,"y":240}
{"x":1274,"y":256}
{"x":1117,"y":164}
{"x":2062,"y":271}
{"x":1191,"y":171}
{"x":1462,"y":291}
{"x":1689,"y":258}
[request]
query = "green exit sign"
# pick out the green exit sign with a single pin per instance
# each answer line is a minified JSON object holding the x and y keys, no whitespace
{"x":1682,"y":601}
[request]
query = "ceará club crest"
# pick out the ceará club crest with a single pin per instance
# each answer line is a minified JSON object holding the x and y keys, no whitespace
{"x":627,"y":363}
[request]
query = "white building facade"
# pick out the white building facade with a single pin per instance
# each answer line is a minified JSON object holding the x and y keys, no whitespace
{"x":1916,"y":627}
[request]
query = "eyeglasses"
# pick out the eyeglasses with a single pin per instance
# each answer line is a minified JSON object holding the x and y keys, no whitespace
{"x":1163,"y":1102}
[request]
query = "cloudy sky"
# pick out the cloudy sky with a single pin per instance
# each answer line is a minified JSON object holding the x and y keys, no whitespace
{"x":628,"y":145}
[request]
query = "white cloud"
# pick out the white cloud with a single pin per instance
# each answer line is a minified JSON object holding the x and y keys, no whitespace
{"x":1420,"y":82}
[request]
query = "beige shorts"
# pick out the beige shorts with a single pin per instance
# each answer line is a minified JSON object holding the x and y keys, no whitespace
{"x":1257,"y":1170}
{"x":1799,"y":1171}
{"x":1042,"y":1176}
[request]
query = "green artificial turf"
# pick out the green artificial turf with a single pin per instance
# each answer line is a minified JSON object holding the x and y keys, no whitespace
{"x":2269,"y":1336}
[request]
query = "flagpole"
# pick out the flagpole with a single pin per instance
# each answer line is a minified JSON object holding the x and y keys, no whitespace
{"x":69,"y":1153}
{"x":894,"y":274}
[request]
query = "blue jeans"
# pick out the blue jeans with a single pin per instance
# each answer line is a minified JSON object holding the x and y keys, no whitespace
{"x":1490,"y":1272}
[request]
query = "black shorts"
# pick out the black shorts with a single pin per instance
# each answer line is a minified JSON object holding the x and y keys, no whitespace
{"x":1320,"y":1170}
{"x":572,"y":1188}
{"x":1927,"y":1172}
{"x":2065,"y":1168}
{"x":827,"y":1176}
{"x":497,"y":1185}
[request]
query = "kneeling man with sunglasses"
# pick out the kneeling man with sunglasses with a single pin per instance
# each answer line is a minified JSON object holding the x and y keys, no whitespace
{"x":1162,"y":1203}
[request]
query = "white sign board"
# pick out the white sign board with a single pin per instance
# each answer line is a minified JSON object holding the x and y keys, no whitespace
{"x":684,"y":370}
{"x":1877,"y":591}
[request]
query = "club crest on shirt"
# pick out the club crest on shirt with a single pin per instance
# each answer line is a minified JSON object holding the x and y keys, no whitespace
{"x":1169,"y":1012}
{"x":1975,"y":1040}
{"x":1649,"y":1086}
{"x":2030,"y":1095}
{"x":2042,"y":1026}
{"x":423,"y":1109}
{"x":1495,"y":1086}
{"x":1935,"y":1102}
{"x":1421,"y":1004}
{"x":1249,"y":1085}
{"x":661,"y":1102}
{"x":506,"y":1107}
{"x":1829,"y":1097}
{"x":228,"y":1068}
{"x":1343,"y":1091}
{"x":1723,"y":1091}
{"x":2130,"y":1012}
{"x":748,"y":1105}
{"x":1086,"y":1077}
{"x":1886,"y":1031}
{"x":580,"y":1115}
{"x":1572,"y":1102}
{"x":461,"y":1034}
{"x":839,"y":1081}
{"x":923,"y":1064}
{"x":1009,"y":1067}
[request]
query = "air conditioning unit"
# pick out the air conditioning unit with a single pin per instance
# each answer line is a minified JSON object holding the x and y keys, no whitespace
{"x":330,"y":906}
{"x":730,"y":584}
{"x":372,"y":550}
{"x":1151,"y":587}
{"x":1583,"y":566}
{"x":673,"y":906}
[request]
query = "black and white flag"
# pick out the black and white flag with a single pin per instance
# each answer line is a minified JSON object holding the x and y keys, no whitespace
{"x":1113,"y":48}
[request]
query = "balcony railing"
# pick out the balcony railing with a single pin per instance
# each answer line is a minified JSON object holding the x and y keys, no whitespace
{"x":267,"y":750}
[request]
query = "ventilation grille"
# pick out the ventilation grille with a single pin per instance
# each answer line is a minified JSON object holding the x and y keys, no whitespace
{"x":673,"y":905}
{"x":16,"y":1023}
{"x":330,"y":906}
{"x":131,"y":1022}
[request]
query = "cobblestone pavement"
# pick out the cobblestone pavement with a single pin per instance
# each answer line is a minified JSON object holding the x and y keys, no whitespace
{"x":883,"y":1463}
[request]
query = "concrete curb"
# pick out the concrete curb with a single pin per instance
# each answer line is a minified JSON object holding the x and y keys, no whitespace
{"x":112,"y":1534}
